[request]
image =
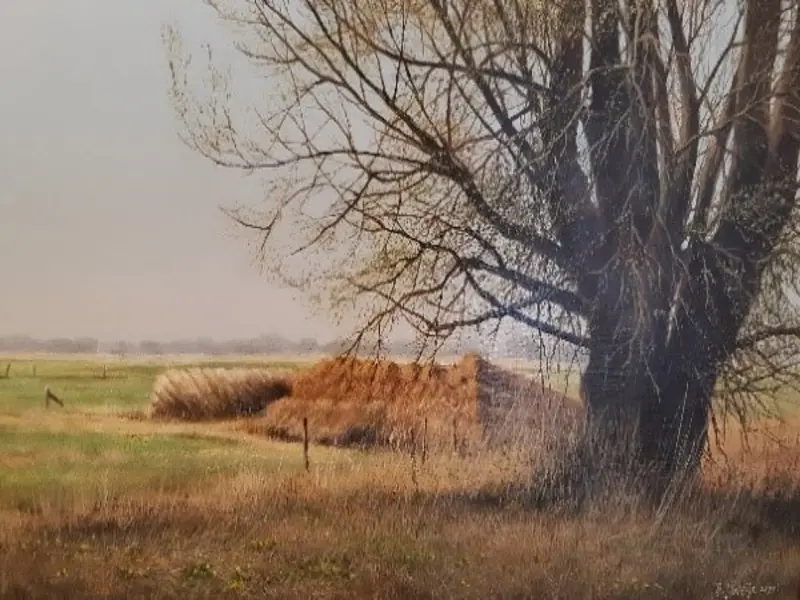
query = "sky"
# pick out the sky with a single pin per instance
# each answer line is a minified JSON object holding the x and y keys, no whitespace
{"x":109,"y":226}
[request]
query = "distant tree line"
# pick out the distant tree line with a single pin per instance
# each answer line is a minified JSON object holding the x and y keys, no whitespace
{"x":265,"y":344}
{"x":270,"y":344}
{"x":80,"y":345}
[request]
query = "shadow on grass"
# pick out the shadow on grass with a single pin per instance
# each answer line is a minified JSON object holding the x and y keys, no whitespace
{"x":752,"y":513}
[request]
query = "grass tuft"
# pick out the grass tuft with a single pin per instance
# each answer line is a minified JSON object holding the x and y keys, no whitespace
{"x":199,"y":394}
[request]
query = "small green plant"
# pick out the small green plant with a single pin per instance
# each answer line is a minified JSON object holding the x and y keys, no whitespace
{"x":238,"y":578}
{"x":265,"y":545}
{"x":198,"y":571}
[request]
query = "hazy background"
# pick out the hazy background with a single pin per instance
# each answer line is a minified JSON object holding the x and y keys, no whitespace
{"x":109,"y":226}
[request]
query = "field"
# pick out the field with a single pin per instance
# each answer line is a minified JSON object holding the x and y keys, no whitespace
{"x":97,"y":501}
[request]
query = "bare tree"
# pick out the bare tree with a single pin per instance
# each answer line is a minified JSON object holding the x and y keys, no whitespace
{"x":620,"y":175}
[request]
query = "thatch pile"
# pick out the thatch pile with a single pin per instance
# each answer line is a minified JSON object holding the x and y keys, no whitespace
{"x":350,"y":402}
{"x":198,"y":394}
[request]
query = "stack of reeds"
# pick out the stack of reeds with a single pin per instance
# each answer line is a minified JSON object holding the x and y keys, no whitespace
{"x":197,"y":394}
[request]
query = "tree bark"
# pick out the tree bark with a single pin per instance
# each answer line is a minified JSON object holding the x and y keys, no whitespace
{"x":648,"y":391}
{"x":658,"y":418}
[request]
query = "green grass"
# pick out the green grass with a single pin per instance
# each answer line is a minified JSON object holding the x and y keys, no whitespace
{"x":60,"y":456}
{"x":80,"y":383}
{"x":49,"y":466}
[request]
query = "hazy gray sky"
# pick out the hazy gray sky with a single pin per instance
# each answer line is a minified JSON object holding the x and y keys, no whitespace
{"x":109,"y":226}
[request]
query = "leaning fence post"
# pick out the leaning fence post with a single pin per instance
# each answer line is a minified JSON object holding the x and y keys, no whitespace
{"x":49,"y":395}
{"x":8,"y":370}
{"x":305,"y":443}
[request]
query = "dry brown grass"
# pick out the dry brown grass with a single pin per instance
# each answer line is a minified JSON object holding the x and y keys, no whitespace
{"x":458,"y":528}
{"x":385,"y":525}
{"x":768,"y":455}
{"x":350,"y":401}
{"x":198,"y":394}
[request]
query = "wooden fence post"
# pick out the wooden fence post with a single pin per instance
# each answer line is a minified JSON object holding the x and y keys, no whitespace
{"x":8,"y":370}
{"x":455,"y":434}
{"x":305,"y":444}
{"x":413,"y":456}
{"x":424,"y":441}
{"x":105,"y":371}
{"x":33,"y":370}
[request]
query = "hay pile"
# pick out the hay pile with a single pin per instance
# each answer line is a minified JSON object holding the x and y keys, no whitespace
{"x":201,"y":393}
{"x":364,"y":402}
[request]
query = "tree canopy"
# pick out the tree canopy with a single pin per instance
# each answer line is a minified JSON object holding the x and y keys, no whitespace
{"x":619,"y":175}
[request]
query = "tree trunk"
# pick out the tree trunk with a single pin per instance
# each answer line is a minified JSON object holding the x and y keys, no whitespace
{"x":651,"y":411}
{"x":648,"y":386}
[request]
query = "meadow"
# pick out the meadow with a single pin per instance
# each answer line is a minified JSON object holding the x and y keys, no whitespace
{"x":98,"y":501}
